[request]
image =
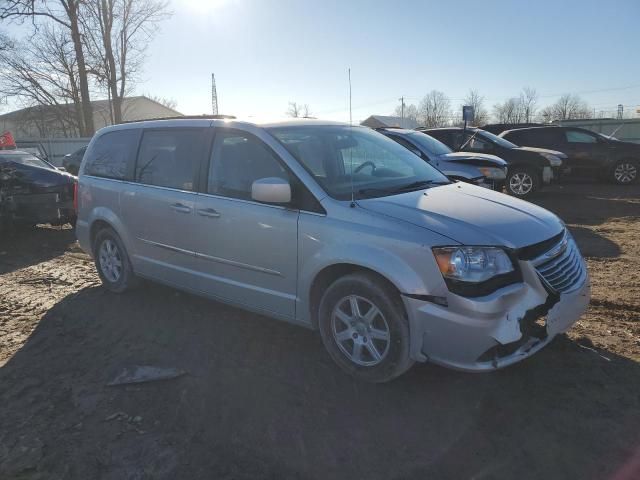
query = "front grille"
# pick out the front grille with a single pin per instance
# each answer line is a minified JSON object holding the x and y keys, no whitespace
{"x":561,"y":267}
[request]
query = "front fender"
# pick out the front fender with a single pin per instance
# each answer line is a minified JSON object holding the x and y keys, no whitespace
{"x":398,"y":256}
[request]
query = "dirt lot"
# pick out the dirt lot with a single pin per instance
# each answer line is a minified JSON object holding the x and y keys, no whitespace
{"x":262,"y":399}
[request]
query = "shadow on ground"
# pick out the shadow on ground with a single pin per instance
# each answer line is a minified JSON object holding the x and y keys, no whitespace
{"x":263,"y":400}
{"x":21,"y":246}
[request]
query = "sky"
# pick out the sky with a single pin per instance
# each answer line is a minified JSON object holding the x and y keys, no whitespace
{"x":266,"y":53}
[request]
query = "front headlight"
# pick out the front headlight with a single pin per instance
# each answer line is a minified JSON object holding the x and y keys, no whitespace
{"x":493,"y":173}
{"x":553,"y":160}
{"x":476,"y":271}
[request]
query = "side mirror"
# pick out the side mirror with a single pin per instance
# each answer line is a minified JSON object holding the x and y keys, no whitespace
{"x":271,"y":190}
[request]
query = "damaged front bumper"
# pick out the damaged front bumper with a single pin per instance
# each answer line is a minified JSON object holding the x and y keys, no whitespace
{"x":492,"y":332}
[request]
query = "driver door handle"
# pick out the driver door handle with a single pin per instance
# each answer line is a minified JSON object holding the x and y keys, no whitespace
{"x":208,"y":212}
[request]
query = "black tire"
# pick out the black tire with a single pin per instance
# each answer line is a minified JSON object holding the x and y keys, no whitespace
{"x":393,"y":353}
{"x":125,"y":279}
{"x":625,"y":172}
{"x":522,"y":182}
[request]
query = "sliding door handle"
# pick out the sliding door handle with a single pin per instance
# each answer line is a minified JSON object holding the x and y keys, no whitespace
{"x":179,"y":207}
{"x":208,"y":212}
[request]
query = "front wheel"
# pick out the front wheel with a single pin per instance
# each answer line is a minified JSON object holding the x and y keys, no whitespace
{"x":364,"y":328}
{"x":522,"y":182}
{"x":625,"y":172}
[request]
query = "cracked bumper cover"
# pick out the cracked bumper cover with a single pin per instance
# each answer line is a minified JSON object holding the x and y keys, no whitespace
{"x":461,"y":334}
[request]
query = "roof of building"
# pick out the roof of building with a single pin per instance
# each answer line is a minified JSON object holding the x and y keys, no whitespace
{"x":98,"y":105}
{"x":380,"y":121}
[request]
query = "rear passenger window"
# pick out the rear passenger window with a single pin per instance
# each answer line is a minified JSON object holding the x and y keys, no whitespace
{"x":112,"y":154}
{"x":239,"y":159}
{"x":171,"y":158}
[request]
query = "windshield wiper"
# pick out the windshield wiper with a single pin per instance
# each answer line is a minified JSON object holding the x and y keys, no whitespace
{"x":420,"y":184}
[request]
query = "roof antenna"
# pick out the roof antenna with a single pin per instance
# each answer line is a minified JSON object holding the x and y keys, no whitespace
{"x":353,"y":202}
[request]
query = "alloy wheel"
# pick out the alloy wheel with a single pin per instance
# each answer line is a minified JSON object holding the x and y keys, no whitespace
{"x":625,"y":173}
{"x":360,"y":330}
{"x":110,"y":260}
{"x":521,"y":183}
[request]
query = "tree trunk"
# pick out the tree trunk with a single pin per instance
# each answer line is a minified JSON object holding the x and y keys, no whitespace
{"x":87,"y":111}
{"x":112,"y":80}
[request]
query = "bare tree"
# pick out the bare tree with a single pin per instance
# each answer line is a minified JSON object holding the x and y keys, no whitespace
{"x":510,"y":111}
{"x":567,"y":107}
{"x":41,"y":74}
{"x":117,"y":34}
{"x":298,"y":110}
{"x":66,"y":14}
{"x":410,"y":112}
{"x":434,"y":109}
{"x":528,"y":103}
{"x":474,"y":99}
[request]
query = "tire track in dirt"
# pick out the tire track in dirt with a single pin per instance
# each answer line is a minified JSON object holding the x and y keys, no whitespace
{"x":27,"y":293}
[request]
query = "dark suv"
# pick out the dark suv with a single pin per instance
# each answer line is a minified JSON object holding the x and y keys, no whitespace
{"x":528,"y":168}
{"x":589,"y":154}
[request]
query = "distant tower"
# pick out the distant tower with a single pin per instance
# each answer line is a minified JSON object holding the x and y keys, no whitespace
{"x":214,"y":95}
{"x":620,"y":111}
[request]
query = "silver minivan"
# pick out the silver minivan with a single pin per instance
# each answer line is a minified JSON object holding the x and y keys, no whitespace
{"x":335,"y":228}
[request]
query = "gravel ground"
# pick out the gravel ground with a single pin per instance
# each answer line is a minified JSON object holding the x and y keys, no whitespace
{"x":261,"y":398}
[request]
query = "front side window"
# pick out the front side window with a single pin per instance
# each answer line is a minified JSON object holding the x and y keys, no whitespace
{"x":576,"y":136}
{"x":346,"y":159}
{"x":111,"y":154}
{"x":238,"y":159}
{"x":171,"y":158}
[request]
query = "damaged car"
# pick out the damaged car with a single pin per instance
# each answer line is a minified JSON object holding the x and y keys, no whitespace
{"x":334,"y":227}
{"x":33,"y":191}
{"x":480,"y":169}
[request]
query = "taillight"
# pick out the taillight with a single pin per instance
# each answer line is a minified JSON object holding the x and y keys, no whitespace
{"x":75,"y":196}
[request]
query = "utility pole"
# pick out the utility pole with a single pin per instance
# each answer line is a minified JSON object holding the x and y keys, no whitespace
{"x":620,"y":111}
{"x":402,"y":107}
{"x":214,"y":95}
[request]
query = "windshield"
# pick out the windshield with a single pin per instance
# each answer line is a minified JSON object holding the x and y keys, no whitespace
{"x":340,"y":157}
{"x":496,"y":139}
{"x":430,"y":144}
{"x":25,"y":159}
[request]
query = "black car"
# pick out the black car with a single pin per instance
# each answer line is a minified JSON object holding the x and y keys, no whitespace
{"x":33,"y":191}
{"x":71,"y":161}
{"x":589,"y":154}
{"x":528,"y":168}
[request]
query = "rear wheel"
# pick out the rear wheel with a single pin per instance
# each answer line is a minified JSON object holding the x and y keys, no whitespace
{"x":625,"y":172}
{"x":364,"y":328}
{"x":112,"y":261}
{"x":522,"y":182}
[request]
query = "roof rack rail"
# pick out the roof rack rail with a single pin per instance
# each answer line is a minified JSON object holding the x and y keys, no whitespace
{"x":186,"y":117}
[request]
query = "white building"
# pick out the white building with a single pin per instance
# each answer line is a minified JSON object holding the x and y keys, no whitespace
{"x":57,"y":122}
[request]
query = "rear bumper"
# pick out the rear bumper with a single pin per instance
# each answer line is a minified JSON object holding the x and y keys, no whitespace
{"x":488,"y":333}
{"x":38,"y":208}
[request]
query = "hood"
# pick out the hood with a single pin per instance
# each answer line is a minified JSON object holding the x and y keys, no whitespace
{"x":544,"y":150}
{"x":470,"y":215}
{"x":480,"y":159}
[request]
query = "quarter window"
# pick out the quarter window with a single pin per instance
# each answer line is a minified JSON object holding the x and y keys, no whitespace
{"x":171,"y":158}
{"x":112,"y":154}
{"x":238,"y":159}
{"x":575,"y":136}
